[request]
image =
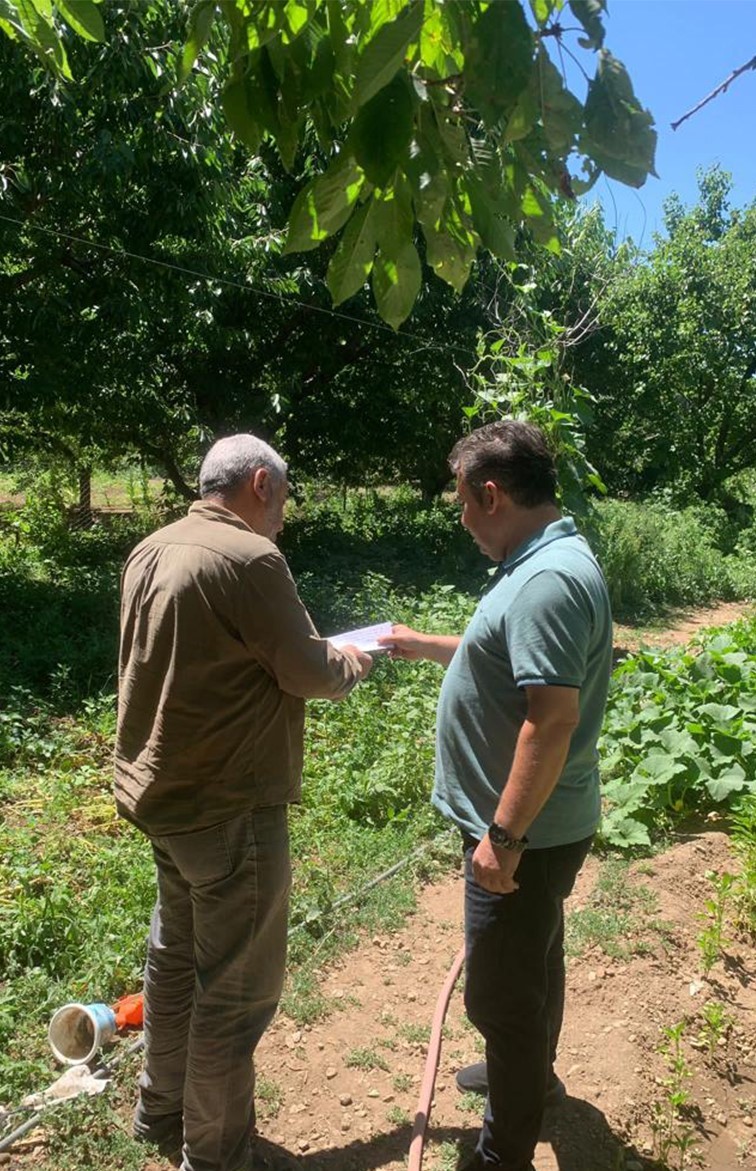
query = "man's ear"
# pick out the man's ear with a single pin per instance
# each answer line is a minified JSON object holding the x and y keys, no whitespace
{"x":493,"y":496}
{"x":261,"y":484}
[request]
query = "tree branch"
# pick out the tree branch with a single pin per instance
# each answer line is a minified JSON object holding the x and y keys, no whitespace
{"x":715,"y":92}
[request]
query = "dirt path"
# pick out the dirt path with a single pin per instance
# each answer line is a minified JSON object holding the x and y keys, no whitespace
{"x":685,"y":626}
{"x":342,"y":1094}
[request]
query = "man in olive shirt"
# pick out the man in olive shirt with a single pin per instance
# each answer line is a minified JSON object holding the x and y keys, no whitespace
{"x":519,"y":717}
{"x":217,"y":656}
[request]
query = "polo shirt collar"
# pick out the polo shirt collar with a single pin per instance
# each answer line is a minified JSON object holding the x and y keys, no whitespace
{"x":564,"y":527}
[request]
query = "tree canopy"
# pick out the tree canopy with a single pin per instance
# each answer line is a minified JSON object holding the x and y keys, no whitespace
{"x":675,"y":363}
{"x":429,"y":128}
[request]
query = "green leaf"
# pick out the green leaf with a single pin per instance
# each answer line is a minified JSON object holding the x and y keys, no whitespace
{"x":498,"y":60}
{"x":623,"y":831}
{"x":43,"y":38}
{"x":382,"y":131}
{"x":397,"y":273}
{"x":325,"y":204}
{"x":84,"y":18}
{"x":618,"y":134}
{"x":200,"y":23}
{"x":396,"y":283}
{"x":353,"y":259}
{"x":589,"y":12}
{"x":659,"y":768}
{"x":730,"y":780}
{"x":561,"y":112}
{"x":384,"y":53}
{"x":494,"y":227}
{"x":235,"y":102}
{"x":542,"y":10}
{"x":720,"y":713}
{"x":451,"y":246}
{"x":439,"y":48}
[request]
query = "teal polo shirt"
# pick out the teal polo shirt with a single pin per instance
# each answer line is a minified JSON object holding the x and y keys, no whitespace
{"x":544,"y":620}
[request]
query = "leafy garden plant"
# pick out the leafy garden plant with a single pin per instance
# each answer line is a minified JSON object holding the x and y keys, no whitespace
{"x":678,"y":737}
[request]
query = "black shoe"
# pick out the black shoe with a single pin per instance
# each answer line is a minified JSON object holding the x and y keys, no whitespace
{"x":473,"y":1079}
{"x":268,"y":1156}
{"x":165,"y":1132}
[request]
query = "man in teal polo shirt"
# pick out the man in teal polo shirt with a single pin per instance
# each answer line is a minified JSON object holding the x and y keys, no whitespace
{"x":519,"y":717}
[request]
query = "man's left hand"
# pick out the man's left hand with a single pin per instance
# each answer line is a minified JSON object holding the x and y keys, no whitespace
{"x":494,"y":870}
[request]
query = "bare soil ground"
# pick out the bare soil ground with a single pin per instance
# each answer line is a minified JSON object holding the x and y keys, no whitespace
{"x":342,"y":1094}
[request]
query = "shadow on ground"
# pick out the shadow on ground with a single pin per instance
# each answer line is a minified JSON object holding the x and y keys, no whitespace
{"x":578,"y":1133}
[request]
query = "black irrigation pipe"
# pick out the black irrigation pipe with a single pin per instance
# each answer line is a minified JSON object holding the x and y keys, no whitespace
{"x":104,"y":1069}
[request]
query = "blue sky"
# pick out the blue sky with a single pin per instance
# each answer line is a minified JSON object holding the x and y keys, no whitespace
{"x":678,"y":51}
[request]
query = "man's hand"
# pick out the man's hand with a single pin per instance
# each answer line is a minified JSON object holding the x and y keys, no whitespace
{"x":403,"y":642}
{"x":493,"y":869}
{"x":364,"y":661}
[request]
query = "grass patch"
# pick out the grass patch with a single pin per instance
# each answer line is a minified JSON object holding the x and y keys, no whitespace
{"x":617,"y":918}
{"x":365,"y":1058}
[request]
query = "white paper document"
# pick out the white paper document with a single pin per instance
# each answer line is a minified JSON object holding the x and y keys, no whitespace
{"x":364,"y":638}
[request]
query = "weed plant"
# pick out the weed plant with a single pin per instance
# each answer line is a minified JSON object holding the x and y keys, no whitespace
{"x":674,"y":1136}
{"x":711,"y":941}
{"x":744,"y":839}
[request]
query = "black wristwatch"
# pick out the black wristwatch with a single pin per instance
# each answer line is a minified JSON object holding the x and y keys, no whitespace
{"x":504,"y":841}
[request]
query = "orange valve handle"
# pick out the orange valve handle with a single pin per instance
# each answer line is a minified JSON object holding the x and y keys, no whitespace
{"x":129,"y":1011}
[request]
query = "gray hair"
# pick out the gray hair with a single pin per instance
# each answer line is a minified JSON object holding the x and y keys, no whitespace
{"x":231,"y":461}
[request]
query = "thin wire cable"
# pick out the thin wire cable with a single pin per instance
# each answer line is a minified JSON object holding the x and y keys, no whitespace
{"x":124,"y":253}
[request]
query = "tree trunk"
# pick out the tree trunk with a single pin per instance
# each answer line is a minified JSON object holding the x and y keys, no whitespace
{"x":83,"y":510}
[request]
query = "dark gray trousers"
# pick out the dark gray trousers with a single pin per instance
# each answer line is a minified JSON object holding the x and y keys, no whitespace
{"x":214,"y":973}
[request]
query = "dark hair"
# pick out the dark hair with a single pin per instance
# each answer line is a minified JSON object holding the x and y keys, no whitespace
{"x":514,"y":455}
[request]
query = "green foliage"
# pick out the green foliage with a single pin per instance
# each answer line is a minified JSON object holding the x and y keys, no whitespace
{"x":674,"y":367}
{"x":396,"y":87}
{"x":392,"y":92}
{"x":520,"y":374}
{"x":711,"y":940}
{"x":716,"y":1023}
{"x":674,"y":1136}
{"x":615,"y":917}
{"x":744,"y":839}
{"x":678,"y":738}
{"x":654,"y":557}
{"x":365,"y":1058}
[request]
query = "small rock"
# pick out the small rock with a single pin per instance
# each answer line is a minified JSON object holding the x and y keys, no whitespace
{"x":591,"y":977}
{"x":747,"y":1120}
{"x":339,"y":994}
{"x":331,"y":1072}
{"x":722,"y":1119}
{"x":388,"y":1097}
{"x":345,"y":1100}
{"x":440,"y":1087}
{"x":321,"y":1046}
{"x":632,"y":1037}
{"x":346,"y":1124}
{"x":412,"y":996}
{"x":297,"y":1037}
{"x":377,"y":942}
{"x":373,"y":1094}
{"x":303,"y":1145}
